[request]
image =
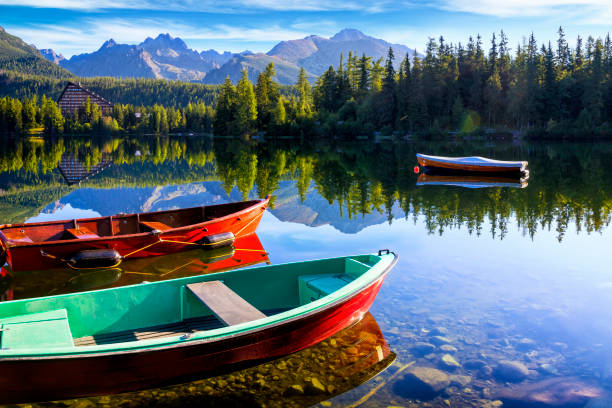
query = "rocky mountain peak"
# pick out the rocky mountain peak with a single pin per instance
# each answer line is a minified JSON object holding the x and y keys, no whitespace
{"x":108,"y":44}
{"x":349,"y":34}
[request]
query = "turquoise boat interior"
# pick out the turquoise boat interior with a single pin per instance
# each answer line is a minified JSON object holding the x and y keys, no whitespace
{"x":161,"y":313}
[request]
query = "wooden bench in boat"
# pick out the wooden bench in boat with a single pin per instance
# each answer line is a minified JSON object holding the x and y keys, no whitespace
{"x":81,"y":233}
{"x":225,"y":304}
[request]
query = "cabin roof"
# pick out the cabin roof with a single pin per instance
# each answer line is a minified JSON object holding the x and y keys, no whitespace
{"x":99,"y":99}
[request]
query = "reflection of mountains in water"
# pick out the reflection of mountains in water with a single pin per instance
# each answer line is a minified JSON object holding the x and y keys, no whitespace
{"x":314,"y":211}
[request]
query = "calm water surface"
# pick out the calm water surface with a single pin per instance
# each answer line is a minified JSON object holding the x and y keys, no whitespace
{"x":502,"y":294}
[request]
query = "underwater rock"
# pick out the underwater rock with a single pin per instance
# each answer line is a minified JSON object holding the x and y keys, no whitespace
{"x":421,"y":382}
{"x":510,"y":371}
{"x":567,"y":392}
{"x":295,"y":389}
{"x":474,"y":364}
{"x":485,"y":372}
{"x":314,"y":386}
{"x":460,"y":380}
{"x":439,"y":331}
{"x":526,"y":344}
{"x":439,"y":340}
{"x":421,"y":349}
{"x":449,"y":362}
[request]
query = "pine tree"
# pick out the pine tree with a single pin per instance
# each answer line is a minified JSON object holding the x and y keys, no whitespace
{"x":267,"y":94}
{"x":246,"y":106}
{"x":389,"y":99}
{"x":304,"y":95}
{"x":226,"y":108}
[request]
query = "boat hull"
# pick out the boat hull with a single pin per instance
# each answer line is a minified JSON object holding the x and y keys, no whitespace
{"x":458,"y":167}
{"x":51,"y":254}
{"x":44,"y":379}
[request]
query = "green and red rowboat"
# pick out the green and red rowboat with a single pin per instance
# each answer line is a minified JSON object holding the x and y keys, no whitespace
{"x":151,"y":334}
{"x":106,"y":241}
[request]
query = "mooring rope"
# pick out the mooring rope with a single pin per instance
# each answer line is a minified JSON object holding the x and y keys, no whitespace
{"x":159,"y":240}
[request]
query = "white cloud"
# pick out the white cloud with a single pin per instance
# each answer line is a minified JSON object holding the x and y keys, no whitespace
{"x":228,"y":6}
{"x":526,"y":8}
{"x":78,"y":4}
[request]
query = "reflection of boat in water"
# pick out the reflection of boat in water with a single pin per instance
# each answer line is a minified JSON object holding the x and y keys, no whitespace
{"x":471,"y":181}
{"x":148,"y":335}
{"x":340,"y":363}
{"x":471,"y":164}
{"x":106,"y":241}
{"x":246,"y":251}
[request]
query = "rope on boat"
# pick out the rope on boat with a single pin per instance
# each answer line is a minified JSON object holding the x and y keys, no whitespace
{"x":159,"y":240}
{"x":176,"y":242}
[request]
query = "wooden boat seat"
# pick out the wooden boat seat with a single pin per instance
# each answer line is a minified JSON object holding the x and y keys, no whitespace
{"x":313,"y":287}
{"x":225,"y":304}
{"x":81,"y":233}
{"x":35,"y":330}
{"x":17,"y":236}
{"x":155,"y":225}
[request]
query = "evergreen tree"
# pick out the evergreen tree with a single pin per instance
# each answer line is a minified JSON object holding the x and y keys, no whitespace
{"x":267,"y":94}
{"x":388,"y":97}
{"x":226,"y":108}
{"x":246,"y":107}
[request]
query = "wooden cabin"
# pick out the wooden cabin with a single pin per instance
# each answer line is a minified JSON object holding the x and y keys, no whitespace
{"x":74,"y":96}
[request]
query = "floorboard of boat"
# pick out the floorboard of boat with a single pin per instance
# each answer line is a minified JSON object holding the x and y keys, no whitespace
{"x":164,"y":330}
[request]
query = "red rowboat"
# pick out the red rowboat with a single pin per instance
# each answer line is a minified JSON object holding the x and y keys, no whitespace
{"x":471,"y":164}
{"x":105,"y":241}
{"x":151,"y":334}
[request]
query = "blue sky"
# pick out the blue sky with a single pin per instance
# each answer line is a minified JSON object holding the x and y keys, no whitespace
{"x":76,"y":26}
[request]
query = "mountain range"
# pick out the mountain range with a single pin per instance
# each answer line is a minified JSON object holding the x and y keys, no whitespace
{"x":315,"y":211}
{"x":170,"y":58}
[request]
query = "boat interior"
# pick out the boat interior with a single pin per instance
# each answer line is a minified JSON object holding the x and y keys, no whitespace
{"x":121,"y":316}
{"x":114,"y":225}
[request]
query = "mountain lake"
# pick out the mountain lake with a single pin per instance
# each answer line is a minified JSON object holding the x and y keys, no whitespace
{"x":502,"y":295}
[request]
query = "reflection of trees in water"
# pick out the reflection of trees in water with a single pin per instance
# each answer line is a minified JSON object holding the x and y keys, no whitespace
{"x":571,"y":184}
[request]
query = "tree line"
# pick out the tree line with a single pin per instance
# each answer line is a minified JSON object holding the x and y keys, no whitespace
{"x":540,"y":89}
{"x":23,"y":116}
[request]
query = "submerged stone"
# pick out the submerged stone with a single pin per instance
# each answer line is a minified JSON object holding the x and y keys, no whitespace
{"x":511,"y":371}
{"x":314,"y":386}
{"x":448,"y":361}
{"x":460,"y":380}
{"x":420,"y":349}
{"x":439,"y":340}
{"x":421,"y":382}
{"x":474,"y":364}
{"x":295,"y":389}
{"x":555,"y":392}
